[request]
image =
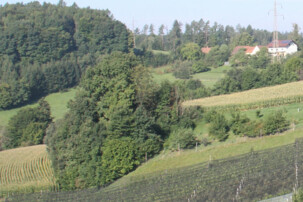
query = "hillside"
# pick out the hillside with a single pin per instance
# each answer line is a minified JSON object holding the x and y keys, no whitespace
{"x":46,"y":48}
{"x":26,"y":169}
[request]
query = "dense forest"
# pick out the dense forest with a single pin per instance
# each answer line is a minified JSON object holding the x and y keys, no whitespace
{"x":120,"y":116}
{"x":46,"y":48}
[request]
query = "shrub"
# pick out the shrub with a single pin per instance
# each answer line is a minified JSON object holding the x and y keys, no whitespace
{"x":182,"y":70}
{"x":298,"y":196}
{"x":238,"y":123}
{"x":210,"y":115}
{"x":275,"y":123}
{"x":219,"y":127}
{"x":181,"y":138}
{"x":200,"y":66}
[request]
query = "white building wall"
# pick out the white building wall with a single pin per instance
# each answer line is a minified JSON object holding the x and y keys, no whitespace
{"x":257,"y":49}
{"x":293,"y":48}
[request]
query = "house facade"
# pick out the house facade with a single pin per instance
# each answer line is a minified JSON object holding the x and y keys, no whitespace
{"x":284,"y":47}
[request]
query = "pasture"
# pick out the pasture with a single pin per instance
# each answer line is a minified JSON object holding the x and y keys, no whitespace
{"x":57,"y":101}
{"x":207,"y":78}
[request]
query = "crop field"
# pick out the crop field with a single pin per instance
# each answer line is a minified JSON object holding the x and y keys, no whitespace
{"x":253,"y":176}
{"x":262,"y":97}
{"x":24,"y":170}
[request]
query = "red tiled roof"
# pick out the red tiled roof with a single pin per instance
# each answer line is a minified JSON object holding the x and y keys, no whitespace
{"x":248,"y":49}
{"x":205,"y":50}
{"x":282,"y":43}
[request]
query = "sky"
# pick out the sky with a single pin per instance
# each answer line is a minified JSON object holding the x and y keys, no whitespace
{"x":136,"y":13}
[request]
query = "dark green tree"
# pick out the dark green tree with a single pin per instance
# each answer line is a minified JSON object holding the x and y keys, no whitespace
{"x":28,"y":126}
{"x":219,"y":127}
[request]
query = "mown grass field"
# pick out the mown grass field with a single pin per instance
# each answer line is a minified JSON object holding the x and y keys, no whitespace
{"x":57,"y":101}
{"x":207,"y":78}
{"x":283,"y":91}
{"x":25,"y":170}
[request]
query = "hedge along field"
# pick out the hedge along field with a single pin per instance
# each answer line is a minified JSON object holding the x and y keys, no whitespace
{"x":25,"y":170}
{"x":261,"y":97}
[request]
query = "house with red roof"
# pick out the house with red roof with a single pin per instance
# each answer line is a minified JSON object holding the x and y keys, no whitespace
{"x":205,"y":50}
{"x":249,"y":50}
{"x":284,"y":47}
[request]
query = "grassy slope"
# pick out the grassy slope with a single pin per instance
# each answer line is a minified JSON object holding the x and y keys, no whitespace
{"x":171,"y":160}
{"x":25,"y":169}
{"x":57,"y":101}
{"x":231,"y":147}
{"x":207,"y":78}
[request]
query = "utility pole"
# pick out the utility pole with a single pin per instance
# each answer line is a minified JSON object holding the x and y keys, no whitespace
{"x":275,"y":32}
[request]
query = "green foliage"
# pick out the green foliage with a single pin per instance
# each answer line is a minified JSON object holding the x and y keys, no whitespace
{"x":243,"y":126}
{"x":181,"y":138}
{"x":275,"y":123}
{"x":28,"y":126}
{"x":261,"y":59}
{"x":119,"y":157}
{"x":191,"y":51}
{"x":237,"y":123}
{"x":200,"y":66}
{"x":150,"y":58}
{"x":217,"y":56}
{"x":210,"y":115}
{"x":111,"y":124}
{"x":219,"y":127}
{"x":190,"y":89}
{"x":239,"y":59}
{"x":298,"y":196}
{"x":182,"y":70}
{"x":293,"y":67}
{"x":240,"y":79}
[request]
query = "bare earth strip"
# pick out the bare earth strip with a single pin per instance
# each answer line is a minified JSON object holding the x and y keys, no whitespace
{"x":251,"y":96}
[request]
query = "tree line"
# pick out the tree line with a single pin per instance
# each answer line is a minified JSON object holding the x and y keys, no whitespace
{"x":205,"y":34}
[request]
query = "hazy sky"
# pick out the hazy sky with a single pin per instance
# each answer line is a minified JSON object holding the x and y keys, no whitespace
{"x":258,"y":13}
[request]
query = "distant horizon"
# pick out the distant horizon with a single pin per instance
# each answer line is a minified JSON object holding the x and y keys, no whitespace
{"x":135,"y":13}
